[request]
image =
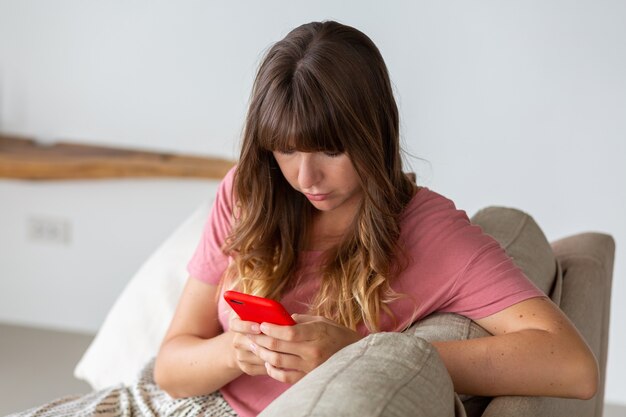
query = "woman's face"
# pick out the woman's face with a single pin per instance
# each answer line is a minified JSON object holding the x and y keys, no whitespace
{"x":329,"y":181}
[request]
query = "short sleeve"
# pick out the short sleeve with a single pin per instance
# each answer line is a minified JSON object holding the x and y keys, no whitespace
{"x":453,"y":266}
{"x":209,"y":262}
{"x":490,"y":282}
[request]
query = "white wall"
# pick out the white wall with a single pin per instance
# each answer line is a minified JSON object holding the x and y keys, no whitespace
{"x":518,"y":103}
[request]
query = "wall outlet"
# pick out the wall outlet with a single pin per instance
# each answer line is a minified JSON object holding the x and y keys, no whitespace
{"x":51,"y":230}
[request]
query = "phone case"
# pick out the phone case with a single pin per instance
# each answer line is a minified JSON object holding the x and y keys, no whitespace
{"x":258,"y":309}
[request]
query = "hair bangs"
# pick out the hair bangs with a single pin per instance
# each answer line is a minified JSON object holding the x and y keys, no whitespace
{"x":297,"y":119}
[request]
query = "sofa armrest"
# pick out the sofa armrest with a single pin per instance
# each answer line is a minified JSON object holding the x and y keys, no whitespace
{"x":587,"y":263}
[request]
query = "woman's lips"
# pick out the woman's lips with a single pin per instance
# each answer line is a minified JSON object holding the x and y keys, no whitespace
{"x":316,"y":197}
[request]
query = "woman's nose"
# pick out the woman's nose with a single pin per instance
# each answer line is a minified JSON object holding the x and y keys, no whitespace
{"x":309,"y":173}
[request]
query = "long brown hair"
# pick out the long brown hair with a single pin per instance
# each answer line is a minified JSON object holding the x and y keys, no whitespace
{"x":324,"y":87}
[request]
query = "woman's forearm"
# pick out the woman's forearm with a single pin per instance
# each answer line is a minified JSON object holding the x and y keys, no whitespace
{"x":527,"y":362}
{"x":188,"y":365}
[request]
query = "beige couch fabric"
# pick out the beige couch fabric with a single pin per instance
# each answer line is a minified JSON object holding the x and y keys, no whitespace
{"x":384,"y":374}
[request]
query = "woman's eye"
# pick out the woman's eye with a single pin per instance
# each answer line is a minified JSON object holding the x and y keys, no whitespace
{"x":286,"y":151}
{"x":332,"y":154}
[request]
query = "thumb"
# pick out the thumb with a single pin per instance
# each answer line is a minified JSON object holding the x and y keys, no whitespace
{"x":304,"y":318}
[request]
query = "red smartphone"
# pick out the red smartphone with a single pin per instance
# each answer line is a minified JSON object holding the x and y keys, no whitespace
{"x":258,"y":309}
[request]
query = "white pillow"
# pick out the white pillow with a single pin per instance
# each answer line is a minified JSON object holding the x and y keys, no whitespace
{"x":134,"y":327}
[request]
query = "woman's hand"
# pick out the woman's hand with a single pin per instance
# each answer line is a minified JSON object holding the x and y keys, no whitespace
{"x":290,"y":352}
{"x":244,"y":357}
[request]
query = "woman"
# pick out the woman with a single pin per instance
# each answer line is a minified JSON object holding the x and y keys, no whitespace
{"x":319,"y":215}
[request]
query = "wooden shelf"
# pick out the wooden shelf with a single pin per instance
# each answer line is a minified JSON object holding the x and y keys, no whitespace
{"x":23,"y":158}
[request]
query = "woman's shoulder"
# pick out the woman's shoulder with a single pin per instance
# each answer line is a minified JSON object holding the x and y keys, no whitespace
{"x":225,"y":188}
{"x":426,"y":202}
{"x":228,"y":179}
{"x":432,"y":216}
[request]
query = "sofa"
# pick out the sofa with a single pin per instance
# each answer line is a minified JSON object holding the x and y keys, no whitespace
{"x":575,"y":272}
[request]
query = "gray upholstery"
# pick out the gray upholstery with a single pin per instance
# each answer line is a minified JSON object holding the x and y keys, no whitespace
{"x":378,"y":376}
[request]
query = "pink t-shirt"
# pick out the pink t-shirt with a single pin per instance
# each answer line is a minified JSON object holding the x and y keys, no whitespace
{"x":451,"y":266}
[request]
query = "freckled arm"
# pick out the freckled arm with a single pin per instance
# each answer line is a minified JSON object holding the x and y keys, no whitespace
{"x":535,"y":350}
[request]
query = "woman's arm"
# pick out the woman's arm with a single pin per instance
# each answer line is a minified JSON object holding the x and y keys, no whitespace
{"x":535,"y":350}
{"x":196,"y":357}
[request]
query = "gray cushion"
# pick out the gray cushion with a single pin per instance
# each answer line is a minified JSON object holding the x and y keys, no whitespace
{"x":446,"y":326}
{"x":384,"y":374}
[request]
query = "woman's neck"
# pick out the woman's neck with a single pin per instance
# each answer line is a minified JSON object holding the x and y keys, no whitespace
{"x":328,"y":230}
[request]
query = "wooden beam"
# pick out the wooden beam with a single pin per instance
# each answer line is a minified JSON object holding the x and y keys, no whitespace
{"x":23,"y":158}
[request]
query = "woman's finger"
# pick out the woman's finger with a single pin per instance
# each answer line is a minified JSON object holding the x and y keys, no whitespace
{"x":283,"y":375}
{"x":276,"y":345}
{"x":254,"y":369}
{"x":278,"y":359}
{"x":235,"y":324}
{"x":305,"y":318}
{"x":306,"y":329}
{"x":246,"y":358}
